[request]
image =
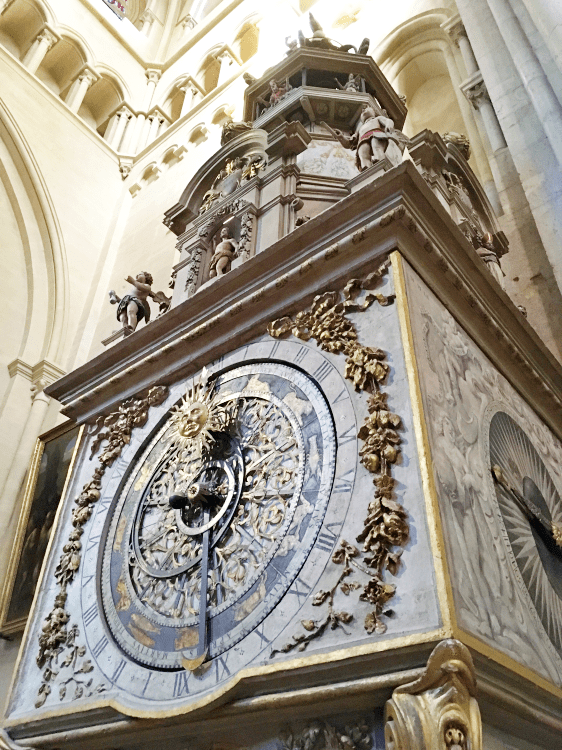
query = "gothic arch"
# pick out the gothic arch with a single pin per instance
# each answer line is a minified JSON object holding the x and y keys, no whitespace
{"x":21,"y":23}
{"x":34,"y":218}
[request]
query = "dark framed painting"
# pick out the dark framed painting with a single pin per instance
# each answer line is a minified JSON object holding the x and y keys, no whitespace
{"x":50,"y":467}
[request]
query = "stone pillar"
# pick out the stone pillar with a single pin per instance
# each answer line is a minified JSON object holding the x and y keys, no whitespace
{"x":147,"y":22}
{"x":438,"y":710}
{"x":35,"y":55}
{"x":531,"y":73}
{"x":192,"y":94}
{"x":226,"y":60}
{"x":477,"y":94}
{"x":154,"y":121}
{"x":121,"y":119}
{"x":457,"y":33}
{"x":128,"y":136}
{"x":152,"y":78}
{"x":140,"y":133}
{"x":78,"y":90}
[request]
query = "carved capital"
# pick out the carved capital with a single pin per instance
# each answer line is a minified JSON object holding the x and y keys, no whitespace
{"x":477,"y":94}
{"x":152,"y":75}
{"x":438,"y":710}
{"x":48,"y":38}
{"x":455,"y":29}
{"x":189,"y":22}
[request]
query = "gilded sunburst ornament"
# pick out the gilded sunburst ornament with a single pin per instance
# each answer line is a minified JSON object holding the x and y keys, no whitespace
{"x":195,"y":421}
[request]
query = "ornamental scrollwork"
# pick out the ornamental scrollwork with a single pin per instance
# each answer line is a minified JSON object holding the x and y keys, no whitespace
{"x":440,"y":708}
{"x":385,"y":526}
{"x":56,"y":638}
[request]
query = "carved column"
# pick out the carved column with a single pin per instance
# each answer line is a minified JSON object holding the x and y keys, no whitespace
{"x":226,"y":59}
{"x":140,"y":134}
{"x":192,"y":94}
{"x":438,"y":711}
{"x":154,"y":120}
{"x":35,"y":55}
{"x":146,"y":22}
{"x":477,"y":94}
{"x":121,"y":119}
{"x":78,"y":90}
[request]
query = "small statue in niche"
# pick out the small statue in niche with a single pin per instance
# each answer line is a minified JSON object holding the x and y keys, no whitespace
{"x":133,"y":307}
{"x":226,"y":249}
{"x":353,"y":84}
{"x":486,"y":251}
{"x":375,"y":139}
{"x":277,"y":92}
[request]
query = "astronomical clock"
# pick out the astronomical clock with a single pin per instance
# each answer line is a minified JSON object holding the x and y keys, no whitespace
{"x":318,"y":499}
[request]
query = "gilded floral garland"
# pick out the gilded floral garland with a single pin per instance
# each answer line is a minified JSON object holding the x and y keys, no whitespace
{"x":56,"y":638}
{"x":385,"y":526}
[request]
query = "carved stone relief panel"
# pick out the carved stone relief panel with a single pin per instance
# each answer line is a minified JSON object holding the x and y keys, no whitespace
{"x":462,"y":394}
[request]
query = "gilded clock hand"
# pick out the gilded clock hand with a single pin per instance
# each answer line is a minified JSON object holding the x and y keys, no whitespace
{"x":529,"y":508}
{"x":193,"y":664}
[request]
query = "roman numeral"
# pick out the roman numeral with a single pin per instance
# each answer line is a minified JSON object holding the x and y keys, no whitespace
{"x":322,"y":371}
{"x":327,"y":538}
{"x":86,"y":580}
{"x":99,"y":647}
{"x":259,"y":632}
{"x":221,"y":668}
{"x":93,"y":542}
{"x":300,"y":589}
{"x":121,"y":466}
{"x":180,"y":684}
{"x":347,"y":436}
{"x":342,"y":396}
{"x":342,"y":484}
{"x":118,"y":670}
{"x":104,"y":504}
{"x":301,"y":354}
{"x":147,"y":681}
{"x":90,"y":614}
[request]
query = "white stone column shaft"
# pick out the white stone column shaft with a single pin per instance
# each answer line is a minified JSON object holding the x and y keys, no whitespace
{"x":114,"y":139}
{"x":192,"y":93}
{"x":78,"y":90}
{"x":153,"y":128}
{"x":126,"y":147}
{"x":476,"y":144}
{"x":226,"y":61}
{"x":530,"y":71}
{"x":36,"y":53}
{"x":152,"y":78}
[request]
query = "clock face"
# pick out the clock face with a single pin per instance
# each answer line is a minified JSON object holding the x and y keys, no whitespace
{"x":531,"y":509}
{"x":218,"y":514}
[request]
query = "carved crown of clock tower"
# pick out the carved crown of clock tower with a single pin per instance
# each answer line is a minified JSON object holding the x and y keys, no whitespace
{"x":318,"y":500}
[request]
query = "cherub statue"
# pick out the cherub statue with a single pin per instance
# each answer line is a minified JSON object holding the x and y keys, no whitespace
{"x":352,"y":84}
{"x":225,"y":252}
{"x":133,"y":307}
{"x":376,"y":138}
